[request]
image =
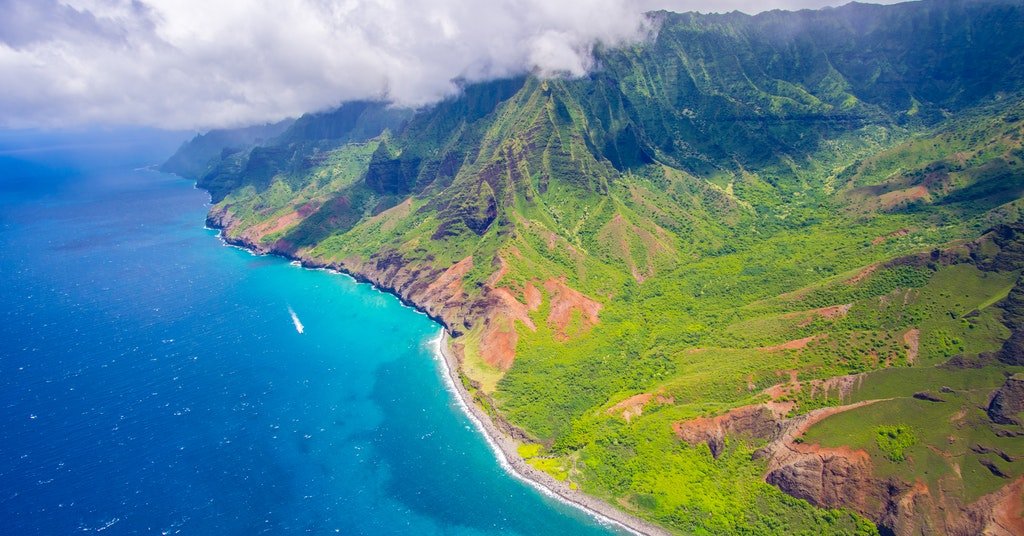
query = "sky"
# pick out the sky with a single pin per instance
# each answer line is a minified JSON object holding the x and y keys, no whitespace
{"x":200,"y":64}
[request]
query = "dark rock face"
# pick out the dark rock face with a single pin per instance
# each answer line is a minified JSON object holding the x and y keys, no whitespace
{"x":475,"y":209}
{"x":392,"y":176}
{"x":826,"y":478}
{"x":1008,"y":402}
{"x":1012,"y":352}
{"x":1010,"y":239}
{"x":928,"y":397}
{"x":984,"y":449}
{"x":843,"y":478}
{"x":759,"y":421}
{"x":993,"y":468}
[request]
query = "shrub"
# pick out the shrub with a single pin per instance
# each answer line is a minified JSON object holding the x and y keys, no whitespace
{"x":894,"y":440}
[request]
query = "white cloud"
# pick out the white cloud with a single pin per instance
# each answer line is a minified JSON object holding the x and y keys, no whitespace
{"x":201,"y":64}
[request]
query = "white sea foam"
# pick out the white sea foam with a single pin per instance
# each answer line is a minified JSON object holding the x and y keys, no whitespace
{"x":449,"y":383}
{"x":295,"y":320}
{"x":107,"y":525}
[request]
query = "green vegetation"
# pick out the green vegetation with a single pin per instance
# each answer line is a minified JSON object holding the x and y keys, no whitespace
{"x":894,"y":440}
{"x":761,"y":207}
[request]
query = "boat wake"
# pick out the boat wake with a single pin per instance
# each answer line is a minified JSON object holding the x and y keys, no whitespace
{"x":295,"y":320}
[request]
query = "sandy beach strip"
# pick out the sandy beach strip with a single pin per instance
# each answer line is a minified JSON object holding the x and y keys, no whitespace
{"x":506,"y":450}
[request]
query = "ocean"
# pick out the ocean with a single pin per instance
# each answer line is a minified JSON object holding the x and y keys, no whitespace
{"x":156,"y":381}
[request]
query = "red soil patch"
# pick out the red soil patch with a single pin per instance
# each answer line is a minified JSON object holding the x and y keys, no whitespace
{"x":499,"y":338}
{"x":505,"y":302}
{"x":796,"y":344}
{"x":508,"y":306}
{"x":843,"y":386}
{"x":701,"y":424}
{"x":498,"y":274}
{"x":498,"y":345}
{"x":895,"y":234}
{"x":780,"y":390}
{"x":824,"y":476}
{"x":533,"y":296}
{"x":836,"y":311}
{"x":632,"y":406}
{"x":861,"y":275}
{"x":828,"y":313}
{"x":912,"y":338}
{"x":268,"y":228}
{"x":759,"y":420}
{"x":565,"y":300}
{"x":855,"y":456}
{"x":1008,"y":514}
{"x":450,"y":282}
{"x":891,"y":199}
{"x":919,"y":489}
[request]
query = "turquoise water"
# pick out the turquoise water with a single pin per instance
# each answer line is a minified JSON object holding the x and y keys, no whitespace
{"x":152,"y":380}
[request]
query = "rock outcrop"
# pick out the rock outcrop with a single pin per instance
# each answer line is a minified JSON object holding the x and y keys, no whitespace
{"x":1012,"y":351}
{"x":831,"y":478}
{"x":761,"y":421}
{"x":845,"y":478}
{"x":1008,"y":402}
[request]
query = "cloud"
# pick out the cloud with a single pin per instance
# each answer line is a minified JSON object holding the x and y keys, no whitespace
{"x":202,"y":64}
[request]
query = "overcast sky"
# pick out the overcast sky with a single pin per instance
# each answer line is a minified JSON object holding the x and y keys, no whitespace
{"x":197,"y":64}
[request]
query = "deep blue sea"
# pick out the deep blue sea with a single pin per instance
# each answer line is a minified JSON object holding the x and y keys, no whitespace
{"x":152,"y":380}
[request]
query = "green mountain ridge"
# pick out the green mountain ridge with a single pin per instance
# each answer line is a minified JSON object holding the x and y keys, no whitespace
{"x":672,"y":277}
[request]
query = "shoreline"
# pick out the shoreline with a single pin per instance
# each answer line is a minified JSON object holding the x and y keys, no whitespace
{"x":505,"y":448}
{"x":506,"y":451}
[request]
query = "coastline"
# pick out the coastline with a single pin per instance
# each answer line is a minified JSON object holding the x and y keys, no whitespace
{"x":505,"y":447}
{"x":506,"y":450}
